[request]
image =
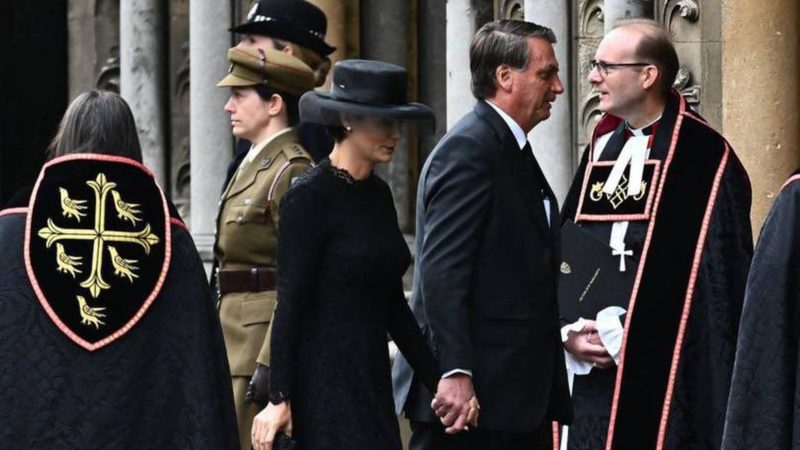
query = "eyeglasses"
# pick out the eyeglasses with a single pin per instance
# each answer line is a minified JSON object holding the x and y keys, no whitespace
{"x":602,"y":67}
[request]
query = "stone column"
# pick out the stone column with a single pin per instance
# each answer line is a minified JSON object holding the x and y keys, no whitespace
{"x":142,"y":77}
{"x":761,"y":93}
{"x":552,"y":139}
{"x":615,"y":10}
{"x":384,"y":37}
{"x":461,"y":17}
{"x":433,"y":67}
{"x":210,"y":135}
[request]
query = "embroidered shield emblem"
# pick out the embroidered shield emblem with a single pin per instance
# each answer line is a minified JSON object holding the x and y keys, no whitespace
{"x":595,"y":205}
{"x":96,"y":245}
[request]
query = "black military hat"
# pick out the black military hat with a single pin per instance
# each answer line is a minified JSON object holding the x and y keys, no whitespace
{"x":97,"y":245}
{"x":296,"y":21}
{"x":365,"y":88}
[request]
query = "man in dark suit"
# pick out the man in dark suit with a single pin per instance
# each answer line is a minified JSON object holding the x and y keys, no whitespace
{"x":485,"y":275}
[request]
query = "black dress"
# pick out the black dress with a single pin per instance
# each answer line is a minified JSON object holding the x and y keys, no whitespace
{"x":341,"y":258}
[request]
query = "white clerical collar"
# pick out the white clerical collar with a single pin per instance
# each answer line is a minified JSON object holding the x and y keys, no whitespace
{"x":255,"y":149}
{"x":646,"y":130}
{"x":516,"y":130}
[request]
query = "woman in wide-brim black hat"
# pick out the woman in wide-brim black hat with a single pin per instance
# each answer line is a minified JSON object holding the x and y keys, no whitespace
{"x":341,"y":262}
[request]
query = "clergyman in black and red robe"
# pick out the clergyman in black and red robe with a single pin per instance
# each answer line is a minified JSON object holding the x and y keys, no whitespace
{"x":678,"y":228}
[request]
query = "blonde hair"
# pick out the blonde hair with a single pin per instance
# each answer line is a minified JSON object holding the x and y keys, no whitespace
{"x":320,"y":65}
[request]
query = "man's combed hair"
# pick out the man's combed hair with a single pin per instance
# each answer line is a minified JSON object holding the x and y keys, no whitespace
{"x":502,"y":42}
{"x":655,"y":47}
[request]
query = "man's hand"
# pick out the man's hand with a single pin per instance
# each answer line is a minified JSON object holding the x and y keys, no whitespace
{"x":455,"y":403}
{"x":587,"y":346}
{"x":258,"y":388}
{"x":269,"y":422}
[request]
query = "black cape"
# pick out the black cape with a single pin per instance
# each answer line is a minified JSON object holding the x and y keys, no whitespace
{"x":764,"y":405}
{"x":163,"y":384}
{"x":671,"y":388}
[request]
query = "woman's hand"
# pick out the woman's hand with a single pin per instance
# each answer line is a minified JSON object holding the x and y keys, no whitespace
{"x":270,"y":421}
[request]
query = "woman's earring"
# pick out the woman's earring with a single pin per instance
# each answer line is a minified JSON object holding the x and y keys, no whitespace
{"x":348,"y":128}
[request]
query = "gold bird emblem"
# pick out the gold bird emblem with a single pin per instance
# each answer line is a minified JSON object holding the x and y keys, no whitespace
{"x":123,"y":267}
{"x":70,"y":207}
{"x":597,"y":191}
{"x":66,"y":263}
{"x":89,"y":315}
{"x":126,"y":211}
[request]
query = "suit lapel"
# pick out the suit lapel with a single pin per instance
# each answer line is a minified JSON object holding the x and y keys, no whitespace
{"x":530,"y":180}
{"x":540,"y":190}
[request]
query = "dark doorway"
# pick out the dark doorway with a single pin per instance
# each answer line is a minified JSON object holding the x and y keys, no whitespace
{"x":33,"y":86}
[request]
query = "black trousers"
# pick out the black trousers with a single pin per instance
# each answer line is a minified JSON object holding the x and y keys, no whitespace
{"x":430,"y":436}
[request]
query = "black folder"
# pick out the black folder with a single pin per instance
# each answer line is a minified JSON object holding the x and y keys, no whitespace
{"x":589,"y":278}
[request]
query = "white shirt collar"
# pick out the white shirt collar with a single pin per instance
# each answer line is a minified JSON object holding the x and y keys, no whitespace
{"x":256,"y":148}
{"x":516,"y":130}
{"x":641,"y":130}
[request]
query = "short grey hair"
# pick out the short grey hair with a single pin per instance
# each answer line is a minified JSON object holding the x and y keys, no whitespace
{"x":97,"y":122}
{"x":502,"y":42}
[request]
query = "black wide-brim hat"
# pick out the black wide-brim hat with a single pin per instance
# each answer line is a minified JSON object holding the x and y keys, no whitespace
{"x":363,"y":88}
{"x":296,"y":21}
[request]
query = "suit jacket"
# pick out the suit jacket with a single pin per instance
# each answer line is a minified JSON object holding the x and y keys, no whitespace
{"x":485,"y":278}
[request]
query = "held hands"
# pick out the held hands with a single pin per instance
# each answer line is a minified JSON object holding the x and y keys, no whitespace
{"x":270,"y":421}
{"x":587,"y":346}
{"x":455,"y":403}
{"x":258,"y":388}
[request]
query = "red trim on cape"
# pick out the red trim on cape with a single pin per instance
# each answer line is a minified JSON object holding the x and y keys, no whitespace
{"x":556,"y":436}
{"x":791,"y":180}
{"x":35,"y":283}
{"x":178,"y":222}
{"x":687,"y":301}
{"x":10,"y":211}
{"x":642,"y":263}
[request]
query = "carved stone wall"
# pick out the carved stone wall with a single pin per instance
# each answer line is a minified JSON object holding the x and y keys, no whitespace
{"x":93,"y":45}
{"x":509,"y":9}
{"x":695,"y":31}
{"x":94,"y":36}
{"x":588,"y":23}
{"x":179,"y":155}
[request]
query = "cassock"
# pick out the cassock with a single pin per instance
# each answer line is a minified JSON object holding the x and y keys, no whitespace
{"x":670,"y":204}
{"x":108,"y":336}
{"x":764,"y":405}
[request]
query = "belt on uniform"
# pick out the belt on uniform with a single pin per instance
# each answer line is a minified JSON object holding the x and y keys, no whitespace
{"x":256,"y":279}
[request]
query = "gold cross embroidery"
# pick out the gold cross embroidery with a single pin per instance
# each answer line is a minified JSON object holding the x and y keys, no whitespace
{"x":100,"y":236}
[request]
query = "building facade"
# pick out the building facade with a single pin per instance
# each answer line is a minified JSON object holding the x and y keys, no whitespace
{"x":739,"y":60}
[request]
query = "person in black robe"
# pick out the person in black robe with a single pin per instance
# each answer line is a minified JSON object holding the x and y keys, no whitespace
{"x":668,"y":199}
{"x":763,"y":405}
{"x":107,"y":334}
{"x":341,"y":259}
